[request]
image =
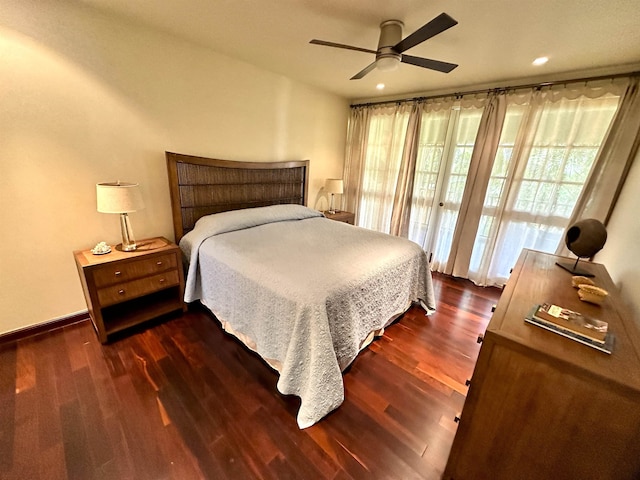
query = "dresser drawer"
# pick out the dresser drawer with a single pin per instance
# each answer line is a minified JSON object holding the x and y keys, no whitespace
{"x":125,"y":271}
{"x":136,"y":288}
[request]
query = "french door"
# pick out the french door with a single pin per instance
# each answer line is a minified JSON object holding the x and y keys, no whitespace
{"x":444,"y":154}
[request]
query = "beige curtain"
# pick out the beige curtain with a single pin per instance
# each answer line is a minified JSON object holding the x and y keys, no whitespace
{"x":401,"y":210}
{"x":616,"y":156}
{"x":484,"y":153}
{"x":356,"y":150}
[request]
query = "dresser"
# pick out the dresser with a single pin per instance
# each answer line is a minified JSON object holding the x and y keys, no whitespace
{"x":541,"y":406}
{"x":123,"y":289}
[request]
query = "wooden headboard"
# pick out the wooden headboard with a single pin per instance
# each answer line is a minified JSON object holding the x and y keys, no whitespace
{"x":201,"y":186}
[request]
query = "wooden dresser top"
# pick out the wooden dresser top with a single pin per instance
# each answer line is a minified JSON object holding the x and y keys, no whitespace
{"x":537,"y":279}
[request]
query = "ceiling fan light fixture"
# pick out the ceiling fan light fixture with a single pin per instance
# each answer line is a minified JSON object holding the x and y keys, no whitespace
{"x":388,"y":63}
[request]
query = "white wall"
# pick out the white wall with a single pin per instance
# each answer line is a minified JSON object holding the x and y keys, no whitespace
{"x":86,"y":98}
{"x":620,"y":253}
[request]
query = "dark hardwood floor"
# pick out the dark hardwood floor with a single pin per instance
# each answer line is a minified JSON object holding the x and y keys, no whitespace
{"x":183,"y":400}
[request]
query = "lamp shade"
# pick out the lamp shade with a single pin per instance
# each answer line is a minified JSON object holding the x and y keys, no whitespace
{"x":118,"y":197}
{"x":335,"y":185}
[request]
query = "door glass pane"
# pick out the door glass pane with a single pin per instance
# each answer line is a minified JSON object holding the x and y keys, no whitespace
{"x":432,"y":225}
{"x":427,"y":180}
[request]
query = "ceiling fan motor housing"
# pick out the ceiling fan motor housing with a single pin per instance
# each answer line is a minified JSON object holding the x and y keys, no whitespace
{"x":390,"y":34}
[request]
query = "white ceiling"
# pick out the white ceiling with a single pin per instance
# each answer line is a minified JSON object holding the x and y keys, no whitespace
{"x":494,"y":42}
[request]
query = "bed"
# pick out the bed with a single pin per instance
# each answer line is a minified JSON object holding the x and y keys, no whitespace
{"x":304,"y":292}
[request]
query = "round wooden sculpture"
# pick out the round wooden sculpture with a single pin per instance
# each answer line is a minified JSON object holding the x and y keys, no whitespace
{"x":586,"y":237}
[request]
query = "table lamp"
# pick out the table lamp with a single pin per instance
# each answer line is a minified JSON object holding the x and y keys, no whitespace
{"x":334,"y":186}
{"x":120,"y":197}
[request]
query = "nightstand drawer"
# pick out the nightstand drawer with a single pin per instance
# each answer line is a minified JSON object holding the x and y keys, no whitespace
{"x":123,"y":272}
{"x":126,"y":291}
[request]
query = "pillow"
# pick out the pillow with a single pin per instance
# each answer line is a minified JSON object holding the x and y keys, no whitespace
{"x":230,"y":221}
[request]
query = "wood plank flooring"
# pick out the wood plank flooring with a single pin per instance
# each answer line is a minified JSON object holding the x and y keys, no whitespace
{"x":183,"y":400}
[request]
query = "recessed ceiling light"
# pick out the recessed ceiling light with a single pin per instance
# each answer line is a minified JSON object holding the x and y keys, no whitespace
{"x":540,"y":60}
{"x":380,"y":86}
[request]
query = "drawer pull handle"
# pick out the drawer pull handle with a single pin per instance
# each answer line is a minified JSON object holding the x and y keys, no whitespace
{"x":159,"y":263}
{"x":118,"y":273}
{"x":121,"y":291}
{"x":162,"y":280}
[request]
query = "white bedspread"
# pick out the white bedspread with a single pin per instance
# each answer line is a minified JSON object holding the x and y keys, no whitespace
{"x":303,"y":291}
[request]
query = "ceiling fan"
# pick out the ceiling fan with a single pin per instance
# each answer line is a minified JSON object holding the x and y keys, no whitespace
{"x":391,"y":46}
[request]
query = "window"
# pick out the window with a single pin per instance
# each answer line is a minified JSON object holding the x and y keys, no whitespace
{"x":545,"y":181}
{"x":548,"y":144}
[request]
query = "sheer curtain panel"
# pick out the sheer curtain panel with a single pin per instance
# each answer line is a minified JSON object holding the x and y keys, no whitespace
{"x":385,"y":142}
{"x":615,"y":159}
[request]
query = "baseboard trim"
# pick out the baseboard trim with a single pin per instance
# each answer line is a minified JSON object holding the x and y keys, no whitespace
{"x":32,"y":330}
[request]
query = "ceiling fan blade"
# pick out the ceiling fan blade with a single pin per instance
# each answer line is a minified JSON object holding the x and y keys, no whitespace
{"x":428,"y":63}
{"x":363,"y":72}
{"x":438,"y":25}
{"x":340,"y":45}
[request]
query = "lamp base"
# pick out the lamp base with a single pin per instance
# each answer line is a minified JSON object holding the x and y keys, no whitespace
{"x":127,"y":248}
{"x":128,"y":241}
{"x":573,"y":269}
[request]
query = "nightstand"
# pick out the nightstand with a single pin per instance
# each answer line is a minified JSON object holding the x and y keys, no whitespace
{"x":123,"y":289}
{"x":346,"y":217}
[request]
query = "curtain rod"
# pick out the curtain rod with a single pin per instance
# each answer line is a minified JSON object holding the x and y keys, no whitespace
{"x":500,"y":89}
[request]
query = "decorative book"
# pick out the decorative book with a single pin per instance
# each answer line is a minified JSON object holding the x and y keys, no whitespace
{"x":605,"y":345}
{"x":573,"y":321}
